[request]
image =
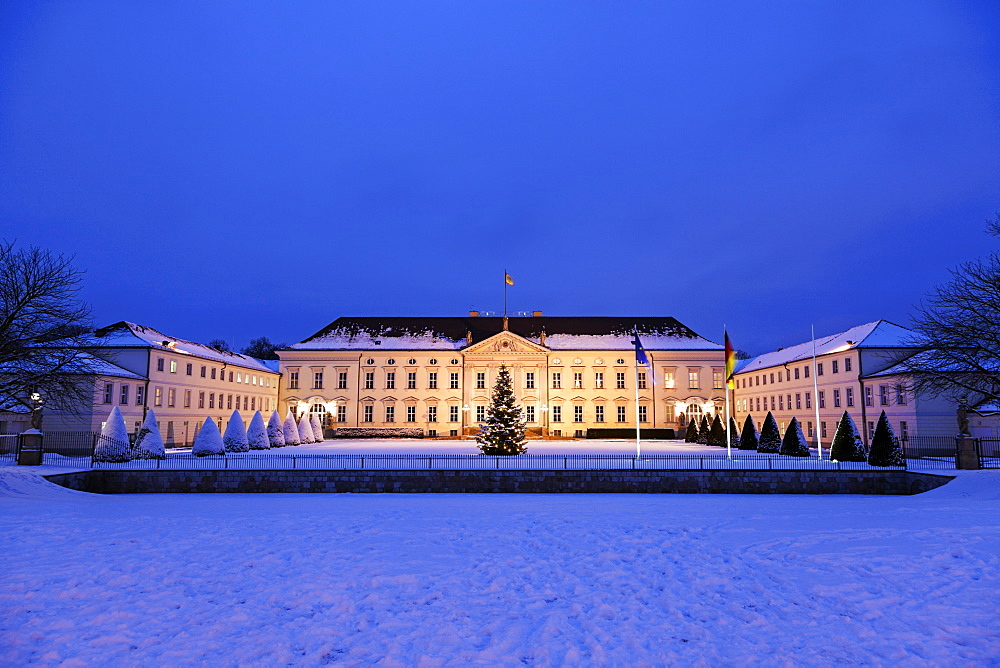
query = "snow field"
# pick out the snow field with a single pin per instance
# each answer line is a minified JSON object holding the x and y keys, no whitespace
{"x":503,"y":580}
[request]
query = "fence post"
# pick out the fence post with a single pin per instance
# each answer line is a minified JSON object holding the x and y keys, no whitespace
{"x":967,"y":453}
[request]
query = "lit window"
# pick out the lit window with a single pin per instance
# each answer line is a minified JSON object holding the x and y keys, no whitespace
{"x":668,"y":380}
{"x":577,"y":380}
{"x":171,"y":397}
{"x":692,"y":380}
{"x":158,"y":396}
{"x":599,"y":380}
{"x":187,"y":398}
{"x":717,"y":380}
{"x":173,"y":366}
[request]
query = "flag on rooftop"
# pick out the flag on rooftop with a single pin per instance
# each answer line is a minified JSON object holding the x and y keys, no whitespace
{"x":508,"y":279}
{"x":640,"y":352}
{"x":730,"y":362}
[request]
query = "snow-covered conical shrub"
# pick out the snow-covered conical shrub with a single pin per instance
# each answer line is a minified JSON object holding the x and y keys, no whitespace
{"x":317,"y":429}
{"x":704,"y":430}
{"x":794,"y":444}
{"x":691,"y":434}
{"x":148,"y":442}
{"x":750,"y":437}
{"x":235,"y":438}
{"x":734,"y":433}
{"x":275,"y":431}
{"x":847,"y":445}
{"x":291,"y":430}
{"x":885,"y":446}
{"x":717,"y":433}
{"x":257,"y":433}
{"x":112,"y":444}
{"x":208,"y":441}
{"x":305,"y":430}
{"x":770,"y":436}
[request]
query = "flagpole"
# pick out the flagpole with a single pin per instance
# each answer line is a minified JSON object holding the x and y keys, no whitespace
{"x":819,"y":442}
{"x":505,"y":293}
{"x":729,"y":436}
{"x":638,"y":448}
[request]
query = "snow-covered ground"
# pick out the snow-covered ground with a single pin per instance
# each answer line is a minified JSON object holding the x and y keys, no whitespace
{"x":507,"y":580}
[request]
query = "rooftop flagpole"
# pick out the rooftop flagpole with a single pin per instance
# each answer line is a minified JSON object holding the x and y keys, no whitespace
{"x":819,"y":441}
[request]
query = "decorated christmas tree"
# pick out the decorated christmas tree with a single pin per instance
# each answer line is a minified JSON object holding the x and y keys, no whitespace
{"x":770,"y":436}
{"x":503,"y":431}
{"x":885,"y":446}
{"x":847,"y":444}
{"x":750,"y":437}
{"x":794,"y":443}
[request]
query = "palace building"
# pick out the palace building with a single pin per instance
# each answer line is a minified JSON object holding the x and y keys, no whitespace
{"x":436,"y":374}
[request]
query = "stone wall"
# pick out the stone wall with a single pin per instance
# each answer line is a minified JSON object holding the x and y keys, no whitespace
{"x":648,"y":482}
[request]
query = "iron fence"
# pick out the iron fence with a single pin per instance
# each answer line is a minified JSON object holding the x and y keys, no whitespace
{"x":989,"y":452}
{"x":528,"y":462}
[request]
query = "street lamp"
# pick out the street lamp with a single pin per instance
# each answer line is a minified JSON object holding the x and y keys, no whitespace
{"x":545,"y":420}
{"x":465,"y":413}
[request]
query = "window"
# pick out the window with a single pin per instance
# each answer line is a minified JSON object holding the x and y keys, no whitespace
{"x":390,"y":381}
{"x":230,"y":406}
{"x":171,"y":397}
{"x":222,"y":376}
{"x":772,"y":403}
{"x":213,"y":374}
{"x":411,"y":380}
{"x":293,"y":380}
{"x":904,"y":432}
{"x":621,"y":416}
{"x":140,"y":395}
{"x":871,"y":429}
{"x":642,"y":413}
{"x":577,"y":380}
{"x":772,"y":379}
{"x":805,"y":371}
{"x":453,"y":381}
{"x":796,"y":373}
{"x":529,"y":413}
{"x":529,"y":380}
{"x":368,"y":413}
{"x":822,"y":429}
{"x":883,"y":395}
{"x":187,"y":398}
{"x":173,"y":366}
{"x":188,"y":369}
{"x":758,"y":403}
{"x":668,"y":380}
{"x":598,"y":413}
{"x":203,"y":371}
{"x":341,"y":413}
{"x":577,"y":413}
{"x":159,"y":364}
{"x":781,"y":403}
{"x":480,"y":413}
{"x":798,"y":401}
{"x":556,"y":380}
{"x":900,"y":396}
{"x":822,"y":398}
{"x":253,"y":403}
{"x":369,"y":380}
{"x":836,"y":398}
{"x":211,"y":399}
{"x":411,"y":413}
{"x":432,"y":380}
{"x":123,"y":397}
{"x":452,"y":413}
{"x":557,"y":413}
{"x":869,"y":398}
{"x":809,"y":403}
{"x":847,"y":364}
{"x":716,"y":380}
{"x":480,"y":380}
{"x":317,"y":380}
{"x":692,"y":380}
{"x":850,"y":395}
{"x":620,"y":380}
{"x":158,"y":396}
{"x":834,"y":367}
{"x":809,"y":429}
{"x":819,"y":369}
{"x":342,"y":380}
{"x":390,"y":413}
{"x":432,"y":413}
{"x":109,"y":392}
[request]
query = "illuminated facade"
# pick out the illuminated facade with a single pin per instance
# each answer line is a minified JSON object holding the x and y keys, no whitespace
{"x":436,"y":373}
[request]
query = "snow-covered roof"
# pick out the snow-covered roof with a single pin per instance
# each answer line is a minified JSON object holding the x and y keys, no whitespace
{"x":452,"y":333}
{"x":130,"y":335}
{"x":877,"y":334}
{"x":102,"y":367}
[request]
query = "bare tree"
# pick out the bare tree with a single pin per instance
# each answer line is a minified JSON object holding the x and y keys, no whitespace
{"x":263,"y":348}
{"x":44,"y":330}
{"x":220,"y":344}
{"x":958,"y":332}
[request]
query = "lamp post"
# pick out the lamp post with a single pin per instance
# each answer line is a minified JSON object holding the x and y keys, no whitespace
{"x":465,"y":418}
{"x":545,"y":421}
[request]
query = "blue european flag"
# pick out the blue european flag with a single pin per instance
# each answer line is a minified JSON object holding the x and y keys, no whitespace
{"x":640,"y":352}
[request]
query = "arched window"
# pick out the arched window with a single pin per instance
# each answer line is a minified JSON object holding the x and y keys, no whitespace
{"x":694,"y":412}
{"x":318,"y":411}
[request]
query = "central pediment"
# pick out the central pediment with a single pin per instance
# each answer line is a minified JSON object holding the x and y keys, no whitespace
{"x":506,"y":343}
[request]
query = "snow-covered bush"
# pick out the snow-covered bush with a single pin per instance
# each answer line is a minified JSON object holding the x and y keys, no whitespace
{"x":275,"y":431}
{"x":257,"y":433}
{"x":148,"y":442}
{"x":770,"y":436}
{"x":691,"y":434}
{"x":113,"y":444}
{"x":885,"y":446}
{"x":847,"y":445}
{"x":291,"y":430}
{"x":794,"y":444}
{"x":235,"y":439}
{"x":704,"y":430}
{"x":208,"y":441}
{"x":750,"y":437}
{"x":317,"y":429}
{"x":734,"y":433}
{"x":305,"y":430}
{"x":380,"y":432}
{"x":717,"y":433}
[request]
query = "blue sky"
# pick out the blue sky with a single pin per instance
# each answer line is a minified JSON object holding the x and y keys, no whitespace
{"x":242,"y":169}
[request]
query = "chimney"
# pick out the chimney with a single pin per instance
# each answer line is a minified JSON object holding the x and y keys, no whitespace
{"x":473,"y":314}
{"x":536,"y":314}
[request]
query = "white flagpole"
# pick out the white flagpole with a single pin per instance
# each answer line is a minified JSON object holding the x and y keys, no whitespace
{"x":729,"y":436}
{"x":819,"y":442}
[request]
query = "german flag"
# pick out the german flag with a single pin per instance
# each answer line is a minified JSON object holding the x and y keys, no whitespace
{"x":730,"y":362}
{"x":508,"y":279}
